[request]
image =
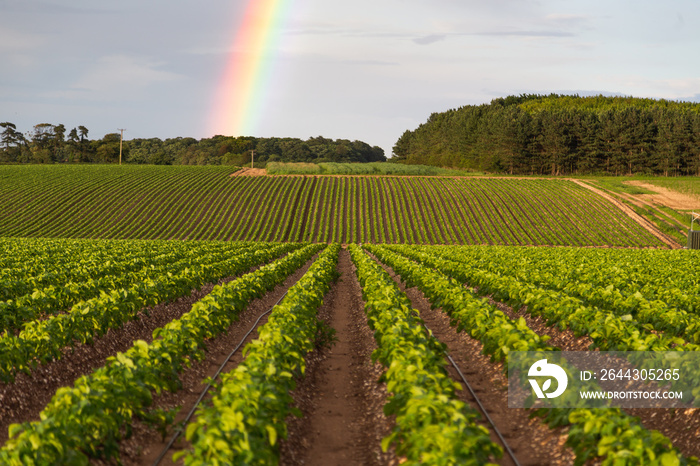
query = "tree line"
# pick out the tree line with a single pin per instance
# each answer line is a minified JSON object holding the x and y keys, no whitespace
{"x":561,"y":135}
{"x":48,"y":143}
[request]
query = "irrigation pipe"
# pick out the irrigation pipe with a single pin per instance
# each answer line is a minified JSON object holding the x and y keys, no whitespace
{"x":478,"y":402}
{"x":476,"y":398}
{"x":206,"y":389}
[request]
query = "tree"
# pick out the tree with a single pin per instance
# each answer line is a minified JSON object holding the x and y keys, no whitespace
{"x":107,"y":149}
{"x":12,"y":139}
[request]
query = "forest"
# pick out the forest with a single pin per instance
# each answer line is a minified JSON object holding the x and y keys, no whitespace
{"x":561,"y":135}
{"x":48,"y":143}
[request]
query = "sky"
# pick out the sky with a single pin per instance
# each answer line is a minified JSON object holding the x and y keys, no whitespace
{"x":361,"y":70}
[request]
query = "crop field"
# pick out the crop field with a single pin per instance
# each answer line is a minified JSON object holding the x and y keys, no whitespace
{"x":205,"y":203}
{"x":115,"y":340}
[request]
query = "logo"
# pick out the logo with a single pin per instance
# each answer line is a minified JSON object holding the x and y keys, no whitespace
{"x":542,"y":369}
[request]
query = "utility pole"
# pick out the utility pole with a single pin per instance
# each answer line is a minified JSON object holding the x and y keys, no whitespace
{"x":121,"y":138}
{"x":252,"y":156}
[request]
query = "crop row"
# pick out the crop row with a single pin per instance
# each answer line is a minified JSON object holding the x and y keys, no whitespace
{"x":42,"y":340}
{"x":54,"y":293}
{"x":651,"y":286}
{"x":607,"y":433}
{"x":204,"y":203}
{"x":246,"y":414}
{"x":432,"y":425}
{"x":88,"y":420}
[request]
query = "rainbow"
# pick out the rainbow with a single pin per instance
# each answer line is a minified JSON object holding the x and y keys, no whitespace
{"x":239,"y":99}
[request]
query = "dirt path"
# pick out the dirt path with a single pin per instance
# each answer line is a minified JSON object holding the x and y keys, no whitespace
{"x":636,"y":200}
{"x":532,"y":442}
{"x":247,"y":171}
{"x":631,"y":213}
{"x":340,"y":397}
{"x":666,"y":197}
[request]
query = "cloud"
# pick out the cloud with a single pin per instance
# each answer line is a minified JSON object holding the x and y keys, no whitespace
{"x":425,"y":40}
{"x":119,"y":72}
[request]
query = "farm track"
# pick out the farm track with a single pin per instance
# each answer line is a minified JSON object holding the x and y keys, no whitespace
{"x":532,"y":442}
{"x":632,"y":214}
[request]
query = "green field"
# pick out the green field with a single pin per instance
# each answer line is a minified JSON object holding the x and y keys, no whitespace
{"x":205,"y":203}
{"x":371,"y":168}
{"x":59,"y":294}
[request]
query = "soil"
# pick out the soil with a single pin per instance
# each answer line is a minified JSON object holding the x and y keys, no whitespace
{"x":247,"y":171}
{"x":650,"y":204}
{"x":682,"y":426}
{"x":666,"y":197}
{"x":42,"y":383}
{"x":340,"y":396}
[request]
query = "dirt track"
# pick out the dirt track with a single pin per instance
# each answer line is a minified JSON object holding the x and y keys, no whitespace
{"x":635,"y":216}
{"x":666,"y":197}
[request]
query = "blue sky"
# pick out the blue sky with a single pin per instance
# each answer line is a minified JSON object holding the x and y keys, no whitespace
{"x":367,"y":69}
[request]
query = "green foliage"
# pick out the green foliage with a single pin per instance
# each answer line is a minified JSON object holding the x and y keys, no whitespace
{"x":205,"y":203}
{"x":88,"y":420}
{"x":432,"y":425}
{"x":246,"y":415}
{"x":561,"y":135}
{"x":594,"y":434}
{"x":48,"y":145}
{"x":371,"y":168}
{"x":41,"y":341}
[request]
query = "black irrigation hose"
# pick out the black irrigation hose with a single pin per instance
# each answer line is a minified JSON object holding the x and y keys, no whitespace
{"x":206,"y":389}
{"x":478,"y":402}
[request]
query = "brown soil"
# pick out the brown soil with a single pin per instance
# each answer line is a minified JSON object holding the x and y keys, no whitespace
{"x":666,"y":197}
{"x":532,"y":442}
{"x":635,"y":216}
{"x":340,"y":397}
{"x":247,"y":171}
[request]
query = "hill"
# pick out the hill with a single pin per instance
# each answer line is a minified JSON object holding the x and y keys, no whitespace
{"x":206,"y":203}
{"x":561,"y":135}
